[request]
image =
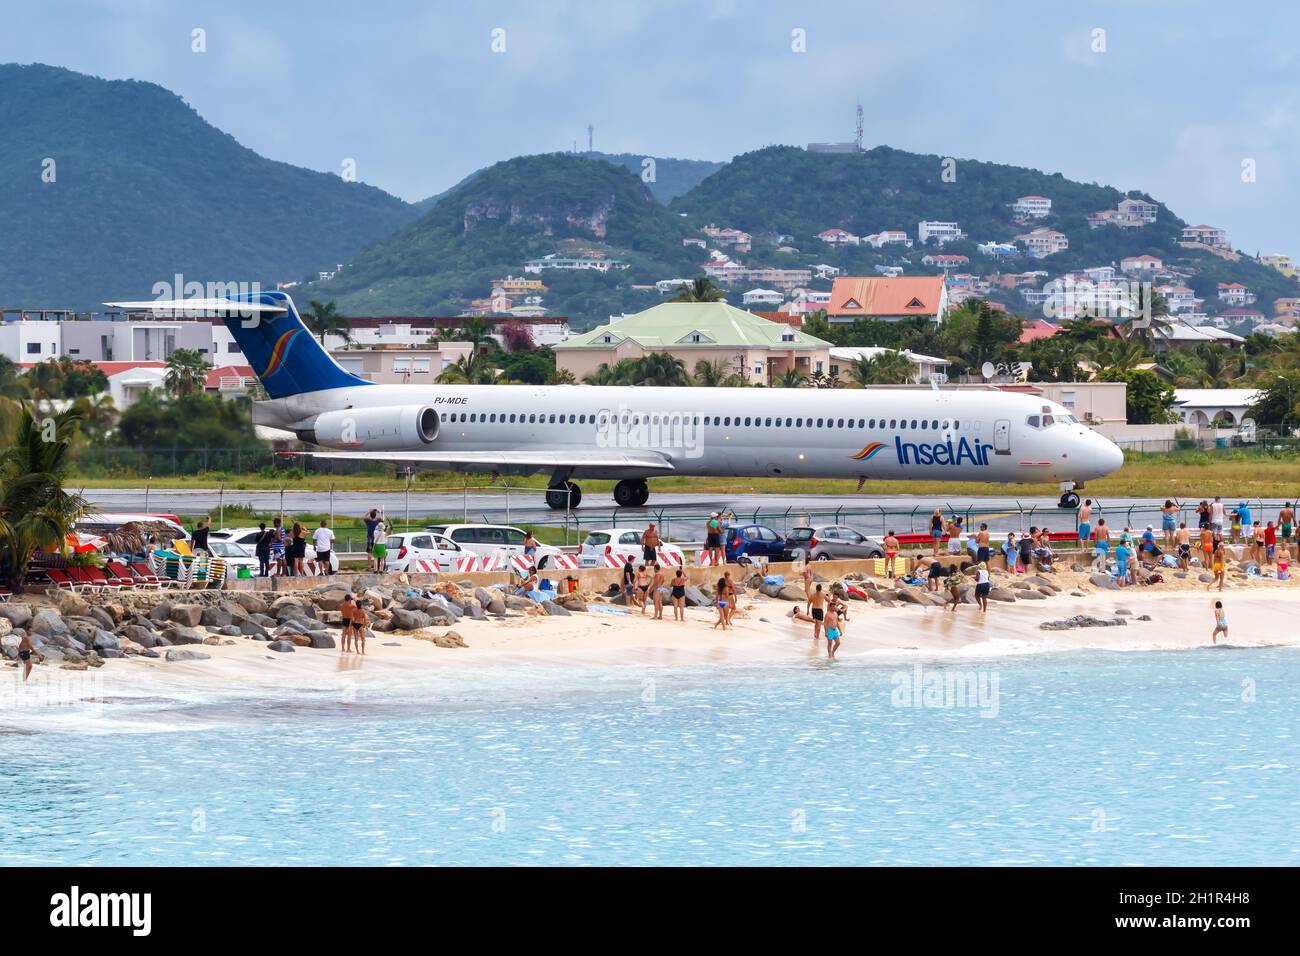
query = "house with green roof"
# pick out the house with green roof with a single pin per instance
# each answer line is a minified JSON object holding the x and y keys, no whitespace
{"x":755,"y":348}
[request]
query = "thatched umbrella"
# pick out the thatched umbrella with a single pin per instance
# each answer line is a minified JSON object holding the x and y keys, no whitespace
{"x":129,"y":539}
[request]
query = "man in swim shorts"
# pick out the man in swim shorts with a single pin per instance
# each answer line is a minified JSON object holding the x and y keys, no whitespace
{"x":817,"y":608}
{"x":833,"y":632}
{"x":982,"y":545}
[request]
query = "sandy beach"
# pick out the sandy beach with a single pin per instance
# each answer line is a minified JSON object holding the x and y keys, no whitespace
{"x":1173,"y":616}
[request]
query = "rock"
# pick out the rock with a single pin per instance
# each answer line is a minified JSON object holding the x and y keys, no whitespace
{"x":212,"y":640}
{"x":1143,"y":617}
{"x":1123,"y":612}
{"x":1082,"y":620}
{"x":1001,"y":594}
{"x":101,"y":617}
{"x":330,"y":598}
{"x":450,"y":639}
{"x":1031,"y":595}
{"x":179,"y":634}
{"x":250,"y":602}
{"x":149,"y":652}
{"x":130,"y":647}
{"x":1205,"y":577}
{"x":212,"y":617}
{"x":230,"y":630}
{"x":1049,"y":591}
{"x":556,"y":610}
{"x":70,"y":605}
{"x":474,"y":612}
{"x":111,"y":652}
{"x":404,"y":620}
{"x":517,"y":602}
{"x":9,"y":646}
{"x":484,"y":596}
{"x":1037,"y":580}
{"x":1104,"y":581}
{"x":1076,"y":567}
{"x":6,"y":626}
{"x":320,"y":639}
{"x":909,"y":596}
{"x":789,"y":592}
{"x":280,"y":647}
{"x":19,"y":615}
{"x":186,"y":654}
{"x":46,"y":622}
{"x":696,"y":598}
{"x":1077,"y":594}
{"x":162,"y":611}
{"x":105,"y":641}
{"x":186,"y":615}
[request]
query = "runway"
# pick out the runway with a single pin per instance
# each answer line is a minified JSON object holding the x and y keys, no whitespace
{"x":681,"y":516}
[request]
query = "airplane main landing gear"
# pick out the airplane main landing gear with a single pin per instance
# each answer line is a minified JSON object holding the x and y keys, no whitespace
{"x":1069,"y":500}
{"x":631,"y":493}
{"x":560,"y":497}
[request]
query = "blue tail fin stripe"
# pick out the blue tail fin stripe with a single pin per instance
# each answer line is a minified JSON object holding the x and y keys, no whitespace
{"x":284,"y":355}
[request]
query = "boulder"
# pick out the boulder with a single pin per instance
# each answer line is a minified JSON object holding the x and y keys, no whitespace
{"x":101,"y":617}
{"x":556,"y":610}
{"x":1031,"y":595}
{"x":186,"y":615}
{"x":1082,"y":620}
{"x":280,"y":647}
{"x":104,"y":641}
{"x":230,"y":630}
{"x":9,"y":646}
{"x":47,"y":622}
{"x":249,"y":601}
{"x":329,"y":598}
{"x":1205,"y":577}
{"x":910,"y":596}
{"x":790,"y":593}
{"x":111,"y":652}
{"x":696,"y":597}
{"x":321,"y":639}
{"x":1123,"y":612}
{"x":19,"y":615}
{"x":149,"y":652}
{"x":70,"y":605}
{"x":1104,"y":581}
{"x":213,"y":617}
{"x":516,"y":602}
{"x":1001,"y":594}
{"x":450,"y":639}
{"x":162,"y":611}
{"x":138,"y":635}
{"x":187,"y":654}
{"x":474,"y":612}
{"x":179,"y":634}
{"x":404,"y":620}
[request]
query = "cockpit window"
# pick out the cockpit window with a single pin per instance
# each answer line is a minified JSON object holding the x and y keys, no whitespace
{"x":1032,"y":421}
{"x":1048,"y":421}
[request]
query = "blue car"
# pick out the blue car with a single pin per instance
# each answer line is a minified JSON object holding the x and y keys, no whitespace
{"x":754,"y":541}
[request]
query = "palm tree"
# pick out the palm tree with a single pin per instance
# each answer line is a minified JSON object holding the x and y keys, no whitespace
{"x":35,"y":510}
{"x":561,"y":376}
{"x":822,"y":380}
{"x":98,"y":415}
{"x":1219,"y":365}
{"x":700,"y":290}
{"x":187,"y":373}
{"x":790,"y":378}
{"x":890,"y":367}
{"x":478,"y":333}
{"x":1149,"y":323}
{"x":325,"y":319}
{"x":716,"y":374}
{"x":472,"y":369}
{"x":1120,"y":354}
{"x":660,"y":368}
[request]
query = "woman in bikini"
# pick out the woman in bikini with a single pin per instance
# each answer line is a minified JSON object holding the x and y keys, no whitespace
{"x":1220,"y":623}
{"x":657,"y":591}
{"x":891,"y":554}
{"x":1218,"y":565}
{"x":642,"y":587}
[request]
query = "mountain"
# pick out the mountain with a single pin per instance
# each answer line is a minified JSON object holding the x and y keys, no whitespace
{"x":518,"y":209}
{"x":785,"y":190}
{"x":671,"y":177}
{"x":143,"y":188}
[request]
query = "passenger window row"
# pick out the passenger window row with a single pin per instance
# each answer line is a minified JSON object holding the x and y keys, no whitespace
{"x":727,"y":421}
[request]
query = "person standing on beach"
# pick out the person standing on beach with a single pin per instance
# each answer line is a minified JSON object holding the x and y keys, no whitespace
{"x":650,"y":544}
{"x":262,"y":549}
{"x":1270,"y":543}
{"x":891,"y":553}
{"x":641,"y":578}
{"x":1027,"y":551}
{"x":1217,"y":516}
{"x":199,"y":540}
{"x":371,"y":521}
{"x":629,"y":581}
{"x":1169,"y":523}
{"x":277,"y":545}
{"x":1218,"y":566}
{"x":380,"y":547}
{"x":807,"y":578}
{"x":982,"y":587}
{"x":982,"y":539}
{"x":323,"y":540}
{"x":1286,"y":518}
{"x":720,"y":598}
{"x":346,"y":611}
{"x":1207,"y":546}
{"x":1183,"y":541}
{"x":1220,"y":623}
{"x":817,"y":608}
{"x":833,"y":631}
{"x":936,"y":532}
{"x":713,"y":540}
{"x":359,"y":621}
{"x":299,"y":539}
{"x":1085,"y":521}
{"x":1101,"y":542}
{"x":679,"y":594}
{"x":657,"y":591}
{"x":1256,"y":543}
{"x":954,"y":535}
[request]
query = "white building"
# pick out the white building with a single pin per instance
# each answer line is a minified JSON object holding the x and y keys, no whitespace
{"x":664,"y":286}
{"x":888,"y":237}
{"x":557,"y":261}
{"x":1032,"y":207}
{"x":1206,"y":235}
{"x":762,"y":298}
{"x":1234,"y":293}
{"x":838,"y":237}
{"x":926,"y":368}
{"x":940,"y":232}
{"x":1202,"y":406}
{"x":1138,"y":210}
{"x":1043,"y":242}
{"x":1140,"y":265}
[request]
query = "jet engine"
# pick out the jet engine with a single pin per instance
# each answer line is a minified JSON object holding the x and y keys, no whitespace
{"x":391,"y":428}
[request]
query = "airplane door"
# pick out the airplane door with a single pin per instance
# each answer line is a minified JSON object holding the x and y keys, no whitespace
{"x":1002,"y":437}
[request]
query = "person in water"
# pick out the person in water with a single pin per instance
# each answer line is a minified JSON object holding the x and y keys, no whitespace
{"x":833,"y":632}
{"x":1220,"y":623}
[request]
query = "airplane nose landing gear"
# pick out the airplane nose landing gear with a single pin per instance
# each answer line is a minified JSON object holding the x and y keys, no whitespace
{"x":1069,"y":500}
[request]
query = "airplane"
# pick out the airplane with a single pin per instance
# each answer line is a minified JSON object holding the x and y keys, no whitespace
{"x":631,"y":434}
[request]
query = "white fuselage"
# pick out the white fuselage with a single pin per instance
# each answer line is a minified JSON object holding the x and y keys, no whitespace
{"x":891,"y":433}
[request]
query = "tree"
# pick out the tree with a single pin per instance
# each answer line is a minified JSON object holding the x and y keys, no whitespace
{"x":63,"y":378}
{"x":1218,"y":365}
{"x":517,"y":336}
{"x":1053,"y":359}
{"x":35,"y":509}
{"x":790,"y":378}
{"x":1149,"y":322}
{"x":1278,"y":401}
{"x":660,"y":368}
{"x":478,"y":332}
{"x":472,"y":369}
{"x":1149,"y":400}
{"x":975,"y":333}
{"x":700,"y":290}
{"x":325,"y":319}
{"x":535,"y":367}
{"x":561,"y":376}
{"x":1115,"y":354}
{"x":716,"y":374}
{"x":883,"y":368}
{"x":187,"y":373}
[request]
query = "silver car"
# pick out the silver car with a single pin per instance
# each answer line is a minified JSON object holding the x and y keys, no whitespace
{"x":833,"y":542}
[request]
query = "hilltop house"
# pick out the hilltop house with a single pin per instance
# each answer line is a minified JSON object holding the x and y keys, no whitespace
{"x":838,"y":237}
{"x":727,"y":236}
{"x":1280,"y":262}
{"x":887,"y":298}
{"x":1206,"y":236}
{"x":1043,"y":242}
{"x":1031,"y":207}
{"x":557,"y":261}
{"x":760,"y":298}
{"x":945,"y":262}
{"x":754,"y":348}
{"x":1234,"y":293}
{"x":888,"y":237}
{"x":1138,"y":265}
{"x":1138,"y":210}
{"x":940,"y":232}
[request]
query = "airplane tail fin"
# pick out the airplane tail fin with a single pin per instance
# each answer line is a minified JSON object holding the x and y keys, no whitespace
{"x":284,"y":354}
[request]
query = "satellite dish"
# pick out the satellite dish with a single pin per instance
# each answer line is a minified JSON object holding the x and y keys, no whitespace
{"x":988,"y":369}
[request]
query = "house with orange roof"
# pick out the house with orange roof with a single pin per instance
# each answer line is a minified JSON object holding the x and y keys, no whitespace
{"x":888,"y":298}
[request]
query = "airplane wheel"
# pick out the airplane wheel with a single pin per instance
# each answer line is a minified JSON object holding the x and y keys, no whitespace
{"x":559,"y":497}
{"x":1069,"y":500}
{"x":631,"y":493}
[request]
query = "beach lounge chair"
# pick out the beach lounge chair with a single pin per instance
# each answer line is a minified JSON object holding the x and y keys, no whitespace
{"x":143,"y":576}
{"x":83,"y":578}
{"x":60,"y":579}
{"x":5,"y":595}
{"x":121,"y":574}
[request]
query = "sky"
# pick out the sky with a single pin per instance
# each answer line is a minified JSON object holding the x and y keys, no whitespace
{"x":1193,"y":101}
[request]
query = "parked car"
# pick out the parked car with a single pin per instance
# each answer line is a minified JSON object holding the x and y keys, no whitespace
{"x":410,"y":546}
{"x":622,"y":543}
{"x":832,"y":542}
{"x":491,"y":540}
{"x":234,"y":555}
{"x":753,"y":541}
{"x":247,"y":537}
{"x":245,"y":540}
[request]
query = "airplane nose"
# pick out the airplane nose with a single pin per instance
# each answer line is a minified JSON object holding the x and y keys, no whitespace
{"x":1109,"y":457}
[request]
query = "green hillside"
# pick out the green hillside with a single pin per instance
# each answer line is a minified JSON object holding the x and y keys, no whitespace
{"x":788,"y":190}
{"x":144,"y":188}
{"x":512,"y":211}
{"x":672,"y":177}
